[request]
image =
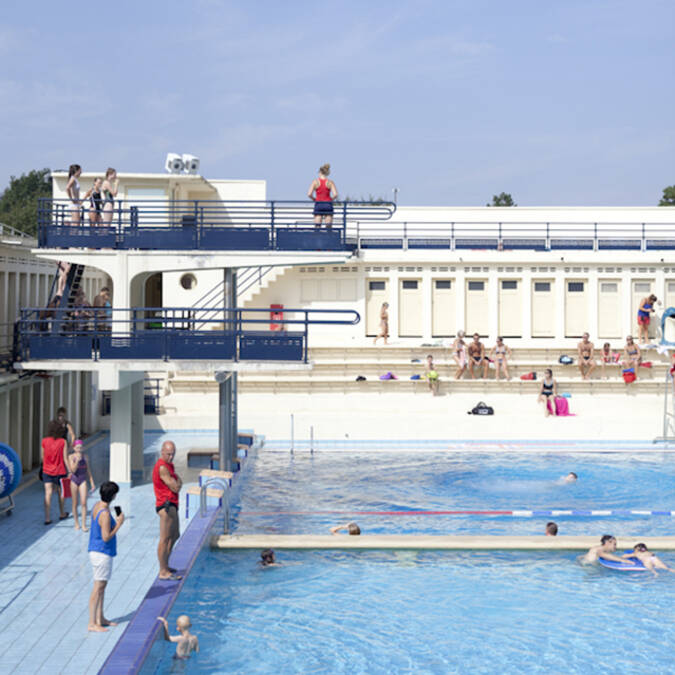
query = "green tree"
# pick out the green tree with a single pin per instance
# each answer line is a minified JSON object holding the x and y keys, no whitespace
{"x":502,"y":199}
{"x":668,"y":198}
{"x":19,"y":201}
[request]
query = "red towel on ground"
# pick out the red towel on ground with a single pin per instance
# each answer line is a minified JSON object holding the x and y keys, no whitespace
{"x":646,"y":364}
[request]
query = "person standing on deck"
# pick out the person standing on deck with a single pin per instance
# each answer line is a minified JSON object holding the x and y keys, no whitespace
{"x":323,"y":192}
{"x":167,"y":485}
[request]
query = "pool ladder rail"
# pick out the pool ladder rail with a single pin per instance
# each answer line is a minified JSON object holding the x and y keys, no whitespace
{"x":221,"y":491}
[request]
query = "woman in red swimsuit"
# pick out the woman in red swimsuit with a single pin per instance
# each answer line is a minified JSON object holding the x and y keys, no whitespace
{"x":322,"y":191}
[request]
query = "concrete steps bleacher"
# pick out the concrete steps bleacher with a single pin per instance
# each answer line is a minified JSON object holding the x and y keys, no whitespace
{"x":336,"y":369}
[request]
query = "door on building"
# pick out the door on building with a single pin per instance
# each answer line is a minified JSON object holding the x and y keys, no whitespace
{"x":476,"y":307}
{"x":510,"y":308}
{"x":376,"y":294}
{"x":669,"y":300}
{"x":641,"y":289}
{"x":609,"y":309}
{"x":576,"y":307}
{"x":410,"y":308}
{"x":443,"y":308}
{"x":543,"y":308}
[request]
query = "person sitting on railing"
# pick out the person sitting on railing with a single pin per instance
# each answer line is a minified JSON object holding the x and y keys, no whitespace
{"x":110,"y":185}
{"x":73,"y":192}
{"x":323,"y":192}
{"x":95,"y":198}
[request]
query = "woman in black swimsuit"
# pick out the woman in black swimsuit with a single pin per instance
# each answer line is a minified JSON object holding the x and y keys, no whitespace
{"x":549,"y":388}
{"x":95,"y":202}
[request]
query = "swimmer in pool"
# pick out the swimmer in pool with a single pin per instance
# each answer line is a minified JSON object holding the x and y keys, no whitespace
{"x":551,"y":529}
{"x":350,"y":528}
{"x":267,"y":558}
{"x":605,"y":551}
{"x":571,"y":477}
{"x":647,"y":558}
{"x":186,"y":643}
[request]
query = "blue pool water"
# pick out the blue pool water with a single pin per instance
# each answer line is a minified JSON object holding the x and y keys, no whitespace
{"x":430,"y":612}
{"x":301,"y":493}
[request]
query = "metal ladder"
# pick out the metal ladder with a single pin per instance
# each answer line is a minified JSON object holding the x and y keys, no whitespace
{"x":226,"y":501}
{"x":668,"y":413}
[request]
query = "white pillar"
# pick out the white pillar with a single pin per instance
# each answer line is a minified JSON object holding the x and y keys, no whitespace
{"x":4,"y":416}
{"x":559,"y":305}
{"x":427,"y":291}
{"x":121,"y":401}
{"x":137,"y":418}
{"x":393,"y":304}
{"x":593,"y":316}
{"x":460,"y":298}
{"x":527,"y":306}
{"x":493,"y":305}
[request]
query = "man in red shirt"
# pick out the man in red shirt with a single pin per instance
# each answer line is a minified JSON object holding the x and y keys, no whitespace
{"x":167,"y":485}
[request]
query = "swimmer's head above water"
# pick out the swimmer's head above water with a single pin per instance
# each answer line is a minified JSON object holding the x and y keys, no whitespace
{"x":551,"y":529}
{"x":571,"y":477}
{"x":608,"y":541}
{"x":267,"y":557}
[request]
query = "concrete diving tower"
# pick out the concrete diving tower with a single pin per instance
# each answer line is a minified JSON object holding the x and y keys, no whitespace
{"x":129,"y":338}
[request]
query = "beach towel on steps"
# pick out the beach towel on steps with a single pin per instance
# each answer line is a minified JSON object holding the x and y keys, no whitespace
{"x":388,"y":376}
{"x":562,"y":408}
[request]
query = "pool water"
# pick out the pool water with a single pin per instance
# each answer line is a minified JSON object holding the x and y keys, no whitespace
{"x":305,"y":493}
{"x":430,"y":612}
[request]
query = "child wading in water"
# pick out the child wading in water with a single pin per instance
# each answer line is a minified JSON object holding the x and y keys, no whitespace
{"x":186,"y":643}
{"x":79,"y":474}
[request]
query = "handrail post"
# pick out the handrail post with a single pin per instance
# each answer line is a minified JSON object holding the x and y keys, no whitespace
{"x":272,"y":242}
{"x":595,"y":236}
{"x":548,"y":236}
{"x":452,"y":236}
{"x":405,"y":236}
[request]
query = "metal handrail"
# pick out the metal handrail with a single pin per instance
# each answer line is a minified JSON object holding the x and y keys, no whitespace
{"x":668,"y":415}
{"x":226,"y":501}
{"x":138,"y":325}
{"x":202,"y":215}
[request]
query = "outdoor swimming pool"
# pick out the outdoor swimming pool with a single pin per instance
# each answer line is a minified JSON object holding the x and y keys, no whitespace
{"x":433,"y":612}
{"x":304,"y":493}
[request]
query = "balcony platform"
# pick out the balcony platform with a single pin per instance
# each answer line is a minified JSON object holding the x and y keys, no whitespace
{"x":134,"y":262}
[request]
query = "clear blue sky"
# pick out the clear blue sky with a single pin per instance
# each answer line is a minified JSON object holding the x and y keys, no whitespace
{"x":564,"y":102}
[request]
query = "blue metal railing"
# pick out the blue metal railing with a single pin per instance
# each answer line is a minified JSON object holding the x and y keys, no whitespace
{"x":149,"y":333}
{"x":502,"y":236}
{"x":200,"y":224}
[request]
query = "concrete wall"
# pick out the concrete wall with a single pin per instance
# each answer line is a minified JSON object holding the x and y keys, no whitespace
{"x":27,"y":405}
{"x":327,"y":287}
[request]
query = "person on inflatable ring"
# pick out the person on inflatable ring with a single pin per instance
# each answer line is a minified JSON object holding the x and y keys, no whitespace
{"x":647,"y":558}
{"x":605,"y":550}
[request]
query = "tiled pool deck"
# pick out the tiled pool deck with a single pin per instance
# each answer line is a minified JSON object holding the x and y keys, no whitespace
{"x":46,"y":579}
